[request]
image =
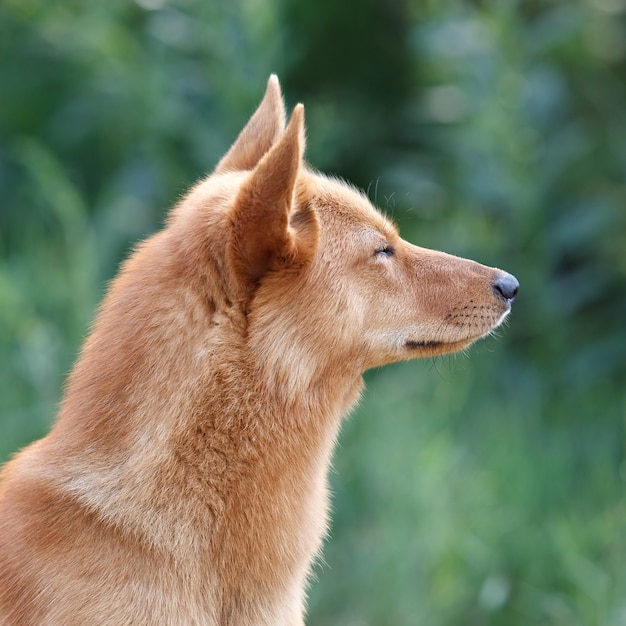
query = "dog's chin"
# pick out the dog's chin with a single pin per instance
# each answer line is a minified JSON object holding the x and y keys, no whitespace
{"x":418,"y":349}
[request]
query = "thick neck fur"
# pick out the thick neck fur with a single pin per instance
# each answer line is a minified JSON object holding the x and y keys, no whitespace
{"x":200,"y":399}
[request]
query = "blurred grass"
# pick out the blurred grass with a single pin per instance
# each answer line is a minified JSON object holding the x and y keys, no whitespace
{"x":456,"y":508}
{"x":480,"y":489}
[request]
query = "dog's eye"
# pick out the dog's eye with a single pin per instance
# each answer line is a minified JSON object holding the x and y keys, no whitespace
{"x":385,"y":250}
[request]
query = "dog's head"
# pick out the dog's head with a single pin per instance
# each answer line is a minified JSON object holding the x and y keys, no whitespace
{"x":314,"y":277}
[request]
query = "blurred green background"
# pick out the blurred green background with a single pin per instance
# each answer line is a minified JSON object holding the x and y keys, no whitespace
{"x":480,"y":489}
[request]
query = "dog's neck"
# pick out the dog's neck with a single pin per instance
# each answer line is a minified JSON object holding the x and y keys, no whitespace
{"x":160,"y":403}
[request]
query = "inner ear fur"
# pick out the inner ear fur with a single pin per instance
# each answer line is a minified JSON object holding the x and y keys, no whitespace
{"x":259,"y":134}
{"x":269,"y":232}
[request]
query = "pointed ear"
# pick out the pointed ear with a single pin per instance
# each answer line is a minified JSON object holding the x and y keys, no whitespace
{"x":259,"y":134}
{"x":268,"y":233}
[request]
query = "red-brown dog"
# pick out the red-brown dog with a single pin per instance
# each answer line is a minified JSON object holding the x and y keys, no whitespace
{"x":184,"y":481}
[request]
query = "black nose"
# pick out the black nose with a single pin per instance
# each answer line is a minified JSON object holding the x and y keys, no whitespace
{"x":506,"y":285}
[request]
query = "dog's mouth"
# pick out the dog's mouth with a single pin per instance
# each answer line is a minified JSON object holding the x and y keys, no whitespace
{"x":420,"y":349}
{"x":417,"y":345}
{"x":427,"y":348}
{"x":464,"y":326}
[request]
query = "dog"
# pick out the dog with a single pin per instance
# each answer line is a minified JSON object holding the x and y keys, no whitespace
{"x":184,"y":480}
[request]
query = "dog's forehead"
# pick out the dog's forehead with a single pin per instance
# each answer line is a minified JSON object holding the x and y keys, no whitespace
{"x":339,"y":202}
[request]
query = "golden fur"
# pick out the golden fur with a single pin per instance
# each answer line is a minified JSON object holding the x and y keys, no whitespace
{"x":184,"y":481}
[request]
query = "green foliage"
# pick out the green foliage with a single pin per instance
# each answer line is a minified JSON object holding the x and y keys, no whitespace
{"x":487,"y":489}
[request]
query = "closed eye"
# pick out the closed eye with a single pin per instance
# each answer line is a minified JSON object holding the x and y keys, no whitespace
{"x":385,"y":250}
